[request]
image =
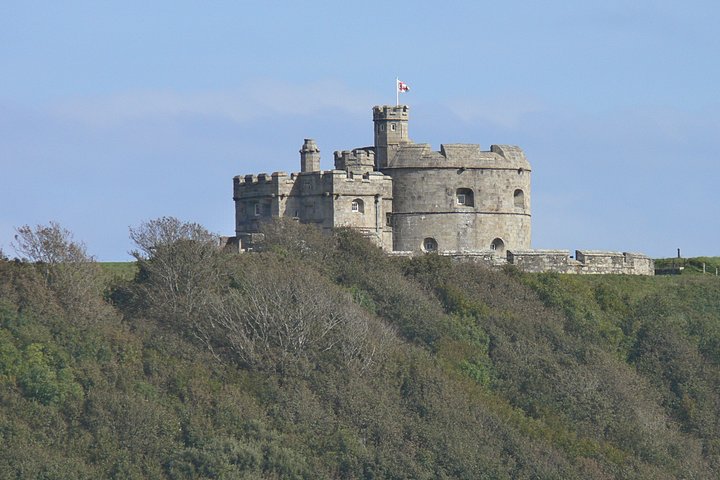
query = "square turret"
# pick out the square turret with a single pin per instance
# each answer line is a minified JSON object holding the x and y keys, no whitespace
{"x":391,"y":130}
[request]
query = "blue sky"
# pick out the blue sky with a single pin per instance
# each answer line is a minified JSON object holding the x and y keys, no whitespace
{"x":113,"y":113}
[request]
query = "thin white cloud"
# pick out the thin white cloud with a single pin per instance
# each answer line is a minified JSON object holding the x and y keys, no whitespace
{"x":266,"y":98}
{"x":505,"y":112}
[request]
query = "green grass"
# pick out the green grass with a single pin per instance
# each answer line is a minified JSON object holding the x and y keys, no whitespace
{"x":119,"y":270}
{"x":689,"y":266}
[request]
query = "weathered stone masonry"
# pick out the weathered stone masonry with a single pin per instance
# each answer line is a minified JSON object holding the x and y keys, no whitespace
{"x":461,"y":201}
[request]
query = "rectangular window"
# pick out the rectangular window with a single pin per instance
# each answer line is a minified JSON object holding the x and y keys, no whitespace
{"x":461,"y":199}
{"x":257,"y":209}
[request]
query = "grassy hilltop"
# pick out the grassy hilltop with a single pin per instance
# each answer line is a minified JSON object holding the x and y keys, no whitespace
{"x":689,"y":266}
{"x":319,"y":357}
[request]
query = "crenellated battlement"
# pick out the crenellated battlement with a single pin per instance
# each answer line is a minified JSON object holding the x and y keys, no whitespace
{"x":459,"y":156}
{"x":510,"y":152}
{"x":356,"y":161}
{"x":387,"y":112}
{"x":358,"y":155}
{"x":263,"y":180}
{"x":259,"y":179}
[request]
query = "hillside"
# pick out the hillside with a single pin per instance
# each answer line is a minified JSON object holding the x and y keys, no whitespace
{"x":319,"y":357}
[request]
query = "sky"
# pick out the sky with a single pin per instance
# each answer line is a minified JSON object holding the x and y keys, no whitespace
{"x":116,"y":113}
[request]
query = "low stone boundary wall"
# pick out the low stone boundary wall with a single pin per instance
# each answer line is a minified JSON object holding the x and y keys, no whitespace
{"x":585,"y":262}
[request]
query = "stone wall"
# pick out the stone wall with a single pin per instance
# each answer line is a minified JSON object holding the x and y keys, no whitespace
{"x":543,"y":261}
{"x":585,"y":262}
{"x":363,"y":202}
{"x":328,"y":199}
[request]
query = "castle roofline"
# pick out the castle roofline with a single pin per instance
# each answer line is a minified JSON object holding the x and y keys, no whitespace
{"x":458,"y":155}
{"x":382,"y":112}
{"x":254,"y":180}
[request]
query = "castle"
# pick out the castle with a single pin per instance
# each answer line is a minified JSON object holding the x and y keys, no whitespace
{"x":461,"y":201}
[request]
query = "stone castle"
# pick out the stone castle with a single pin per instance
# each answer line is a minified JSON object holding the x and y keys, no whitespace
{"x":461,"y":202}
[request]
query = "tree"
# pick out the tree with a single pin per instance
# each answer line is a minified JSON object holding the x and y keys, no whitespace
{"x":279,"y":310}
{"x":164,"y":232}
{"x":65,"y":264}
{"x":50,"y":244}
{"x":179,"y":266}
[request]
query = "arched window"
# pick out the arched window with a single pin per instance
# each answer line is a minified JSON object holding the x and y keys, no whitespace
{"x":497,"y":245}
{"x":465,"y":197}
{"x":519,"y":198}
{"x":358,"y":206}
{"x":429,"y":245}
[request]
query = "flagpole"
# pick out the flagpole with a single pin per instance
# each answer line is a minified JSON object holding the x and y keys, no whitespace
{"x":397,"y":91}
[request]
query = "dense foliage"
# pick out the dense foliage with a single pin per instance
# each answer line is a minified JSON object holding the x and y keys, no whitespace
{"x":320,"y":357}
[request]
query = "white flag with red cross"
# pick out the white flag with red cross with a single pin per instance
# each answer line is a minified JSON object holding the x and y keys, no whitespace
{"x":401,"y":87}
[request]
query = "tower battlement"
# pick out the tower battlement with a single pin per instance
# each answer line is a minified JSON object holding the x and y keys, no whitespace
{"x":260,"y":178}
{"x":388,"y":112}
{"x":355,"y":161}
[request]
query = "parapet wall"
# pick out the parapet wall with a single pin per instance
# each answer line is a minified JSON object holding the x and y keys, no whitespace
{"x":585,"y":262}
{"x":357,"y":161}
{"x":455,"y":156}
{"x":277,"y":178}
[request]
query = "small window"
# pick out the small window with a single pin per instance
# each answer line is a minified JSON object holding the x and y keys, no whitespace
{"x":358,"y":206}
{"x":519,"y":198}
{"x":388,"y":219}
{"x":392,"y":127}
{"x":465,"y":197}
{"x":382,"y":127}
{"x":429,"y":245}
{"x":257,"y":209}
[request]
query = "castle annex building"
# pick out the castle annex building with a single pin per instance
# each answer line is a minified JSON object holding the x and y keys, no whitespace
{"x":461,"y":201}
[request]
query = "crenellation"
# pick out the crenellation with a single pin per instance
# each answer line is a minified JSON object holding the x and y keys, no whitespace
{"x":388,"y":111}
{"x":459,"y":151}
{"x":358,"y":161}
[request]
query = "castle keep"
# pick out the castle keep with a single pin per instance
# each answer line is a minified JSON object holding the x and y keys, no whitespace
{"x":461,"y":201}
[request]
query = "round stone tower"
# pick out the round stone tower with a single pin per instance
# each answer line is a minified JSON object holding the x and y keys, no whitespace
{"x":460,"y":199}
